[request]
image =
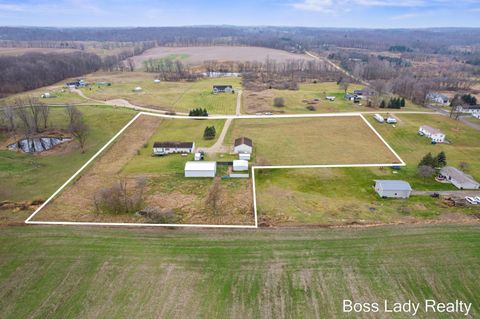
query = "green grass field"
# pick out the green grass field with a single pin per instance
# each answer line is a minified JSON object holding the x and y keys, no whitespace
{"x":174,"y":96}
{"x":25,"y":177}
{"x":342,"y":196}
{"x":172,"y":130}
{"x":263,"y":101}
{"x":62,"y":272}
{"x":312,"y":141}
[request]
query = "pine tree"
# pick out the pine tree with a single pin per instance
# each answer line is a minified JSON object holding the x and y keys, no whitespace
{"x":427,"y":160}
{"x":442,"y":159}
{"x":382,"y":104}
{"x":402,"y":103}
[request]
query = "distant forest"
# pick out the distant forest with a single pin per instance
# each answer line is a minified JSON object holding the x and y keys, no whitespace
{"x":286,"y":38}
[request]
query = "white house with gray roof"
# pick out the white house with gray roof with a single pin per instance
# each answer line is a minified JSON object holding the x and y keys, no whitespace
{"x":434,"y":134}
{"x":458,"y":178}
{"x":393,"y":189}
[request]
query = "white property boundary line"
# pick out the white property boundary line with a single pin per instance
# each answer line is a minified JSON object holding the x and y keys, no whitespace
{"x":99,"y":152}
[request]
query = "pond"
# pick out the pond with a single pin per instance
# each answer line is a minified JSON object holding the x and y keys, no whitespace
{"x":37,"y":144}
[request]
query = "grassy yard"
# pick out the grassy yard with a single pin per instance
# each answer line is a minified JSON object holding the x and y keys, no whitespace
{"x":263,"y":101}
{"x":174,"y":96}
{"x":26,"y":177}
{"x":310,"y":141}
{"x":60,"y":272}
{"x":464,"y":142}
{"x":340,"y":196}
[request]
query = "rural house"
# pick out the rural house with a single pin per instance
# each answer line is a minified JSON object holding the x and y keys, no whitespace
{"x":164,"y":148}
{"x":243,"y":145}
{"x":75,"y":84}
{"x":472,"y":109}
{"x":434,"y":134}
{"x":437,"y":98}
{"x":458,"y":178}
{"x":393,"y":189}
{"x":222,"y":89}
{"x":364,"y":93}
{"x":200,"y":169}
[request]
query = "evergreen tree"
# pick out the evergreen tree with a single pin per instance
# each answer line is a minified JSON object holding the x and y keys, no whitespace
{"x":402,"y":103}
{"x":209,"y":133}
{"x":442,"y":159}
{"x":382,"y":104}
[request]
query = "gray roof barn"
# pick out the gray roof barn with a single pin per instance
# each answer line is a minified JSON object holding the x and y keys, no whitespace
{"x":393,"y":189}
{"x":459,"y":178}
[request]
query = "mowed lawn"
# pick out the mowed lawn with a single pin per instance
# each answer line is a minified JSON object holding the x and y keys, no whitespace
{"x":172,"y":96}
{"x":464,"y":141}
{"x":179,"y":130}
{"x":53,"y":272}
{"x":263,"y":101}
{"x":342,"y":196}
{"x":312,"y":141}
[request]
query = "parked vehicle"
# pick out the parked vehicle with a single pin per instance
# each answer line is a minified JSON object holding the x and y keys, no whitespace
{"x":268,"y":113}
{"x":471,"y":200}
{"x":391,"y":120}
{"x":379,"y":118}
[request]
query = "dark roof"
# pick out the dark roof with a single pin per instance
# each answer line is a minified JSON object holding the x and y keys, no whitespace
{"x":243,"y":140}
{"x":173,"y":144}
{"x":221,"y":87}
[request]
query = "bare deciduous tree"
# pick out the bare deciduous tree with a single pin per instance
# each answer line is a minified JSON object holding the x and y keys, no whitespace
{"x":76,"y":125}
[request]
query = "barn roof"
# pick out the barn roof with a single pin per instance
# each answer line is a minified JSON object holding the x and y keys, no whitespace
{"x":394,"y":185}
{"x":430,"y":129}
{"x":243,"y":140}
{"x":173,"y":144}
{"x":200,"y":166}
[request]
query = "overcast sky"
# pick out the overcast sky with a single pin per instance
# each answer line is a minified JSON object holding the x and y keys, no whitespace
{"x":314,"y":13}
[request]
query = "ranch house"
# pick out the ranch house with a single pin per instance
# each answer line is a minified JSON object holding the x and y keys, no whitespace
{"x":243,"y":145}
{"x":472,"y":109}
{"x":222,"y":89}
{"x":458,"y":178}
{"x":393,"y":189}
{"x":434,"y":134}
{"x":164,"y":148}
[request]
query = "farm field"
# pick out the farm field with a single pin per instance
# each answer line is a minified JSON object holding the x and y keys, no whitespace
{"x":26,"y":177}
{"x":166,"y":187}
{"x":344,"y":196}
{"x":172,"y":96}
{"x":67,"y":272}
{"x":263,"y":101}
{"x":312,"y":141}
{"x":198,"y":55}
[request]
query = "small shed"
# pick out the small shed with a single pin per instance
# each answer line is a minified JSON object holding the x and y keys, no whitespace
{"x":244,"y":156}
{"x":200,"y":169}
{"x":393,"y":188}
{"x":243,"y":145}
{"x":458,"y":178}
{"x":137,"y":89}
{"x":240,"y":165}
{"x":156,"y":81}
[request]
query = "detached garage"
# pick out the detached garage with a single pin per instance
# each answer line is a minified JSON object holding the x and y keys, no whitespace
{"x":200,"y":169}
{"x":393,"y":189}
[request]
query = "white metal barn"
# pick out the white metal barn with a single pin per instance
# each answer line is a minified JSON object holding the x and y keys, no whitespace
{"x":200,"y":169}
{"x":434,"y":134}
{"x":393,"y":189}
{"x":243,"y":145}
{"x":240,"y":165}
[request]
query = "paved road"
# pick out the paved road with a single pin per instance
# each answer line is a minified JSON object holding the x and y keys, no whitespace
{"x":459,"y":193}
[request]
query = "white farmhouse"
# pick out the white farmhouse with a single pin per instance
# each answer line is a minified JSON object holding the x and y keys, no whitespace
{"x":222,"y":89}
{"x":165,"y":148}
{"x":243,"y":145}
{"x":434,"y":134}
{"x":472,"y":109}
{"x":200,"y":169}
{"x":393,"y":189}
